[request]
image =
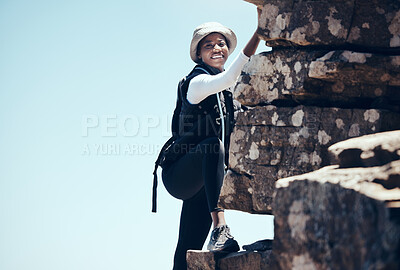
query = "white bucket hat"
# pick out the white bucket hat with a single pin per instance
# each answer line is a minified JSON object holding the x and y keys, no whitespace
{"x":205,"y":29}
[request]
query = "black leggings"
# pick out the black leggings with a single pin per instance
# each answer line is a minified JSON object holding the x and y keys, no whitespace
{"x":196,"y":179}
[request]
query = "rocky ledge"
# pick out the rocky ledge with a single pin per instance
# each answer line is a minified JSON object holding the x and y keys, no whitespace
{"x":342,"y":217}
{"x":245,"y":260}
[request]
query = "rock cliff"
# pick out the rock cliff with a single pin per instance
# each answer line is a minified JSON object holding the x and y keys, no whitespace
{"x":333,"y":74}
{"x":316,"y":147}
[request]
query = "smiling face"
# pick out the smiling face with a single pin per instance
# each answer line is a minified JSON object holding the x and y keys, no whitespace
{"x":213,"y":50}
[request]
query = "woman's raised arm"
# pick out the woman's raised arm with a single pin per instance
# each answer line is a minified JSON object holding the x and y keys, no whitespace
{"x":252,"y":45}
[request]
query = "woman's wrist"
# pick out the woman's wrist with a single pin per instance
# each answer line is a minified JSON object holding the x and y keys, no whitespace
{"x":252,"y":45}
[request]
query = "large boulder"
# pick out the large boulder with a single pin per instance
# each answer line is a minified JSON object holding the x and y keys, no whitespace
{"x":272,"y":142}
{"x":339,"y":219}
{"x":329,"y":78}
{"x":367,"y":151}
{"x":373,"y":24}
{"x":343,"y":217}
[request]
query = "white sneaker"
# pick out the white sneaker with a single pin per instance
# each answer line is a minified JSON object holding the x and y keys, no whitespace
{"x":222,"y":240}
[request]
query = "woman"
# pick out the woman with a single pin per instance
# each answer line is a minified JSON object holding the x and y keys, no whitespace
{"x":206,"y":109}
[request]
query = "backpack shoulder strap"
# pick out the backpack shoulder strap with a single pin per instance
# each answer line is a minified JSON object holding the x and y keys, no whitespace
{"x":184,"y":83}
{"x":202,"y":69}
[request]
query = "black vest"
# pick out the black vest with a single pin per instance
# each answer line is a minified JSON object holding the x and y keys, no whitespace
{"x":203,"y":120}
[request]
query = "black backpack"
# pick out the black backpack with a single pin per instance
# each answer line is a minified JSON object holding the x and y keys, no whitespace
{"x":171,"y":150}
{"x":163,"y":155}
{"x":175,"y":146}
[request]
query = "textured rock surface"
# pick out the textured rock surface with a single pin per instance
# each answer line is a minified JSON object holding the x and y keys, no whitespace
{"x":372,"y":23}
{"x":272,"y":142}
{"x":367,"y":151}
{"x":339,"y":219}
{"x":204,"y":260}
{"x":305,"y":98}
{"x":333,"y":74}
{"x":200,"y":260}
{"x":321,"y":77}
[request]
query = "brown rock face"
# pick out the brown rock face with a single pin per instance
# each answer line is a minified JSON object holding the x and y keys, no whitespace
{"x":204,"y":260}
{"x":333,"y":75}
{"x":272,"y":142}
{"x":326,"y":78}
{"x":339,"y":219}
{"x":322,"y":89}
{"x":367,"y":151}
{"x":198,"y":260}
{"x":368,"y":24}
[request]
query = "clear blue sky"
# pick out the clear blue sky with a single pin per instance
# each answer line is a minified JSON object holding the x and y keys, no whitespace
{"x":87,"y":89}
